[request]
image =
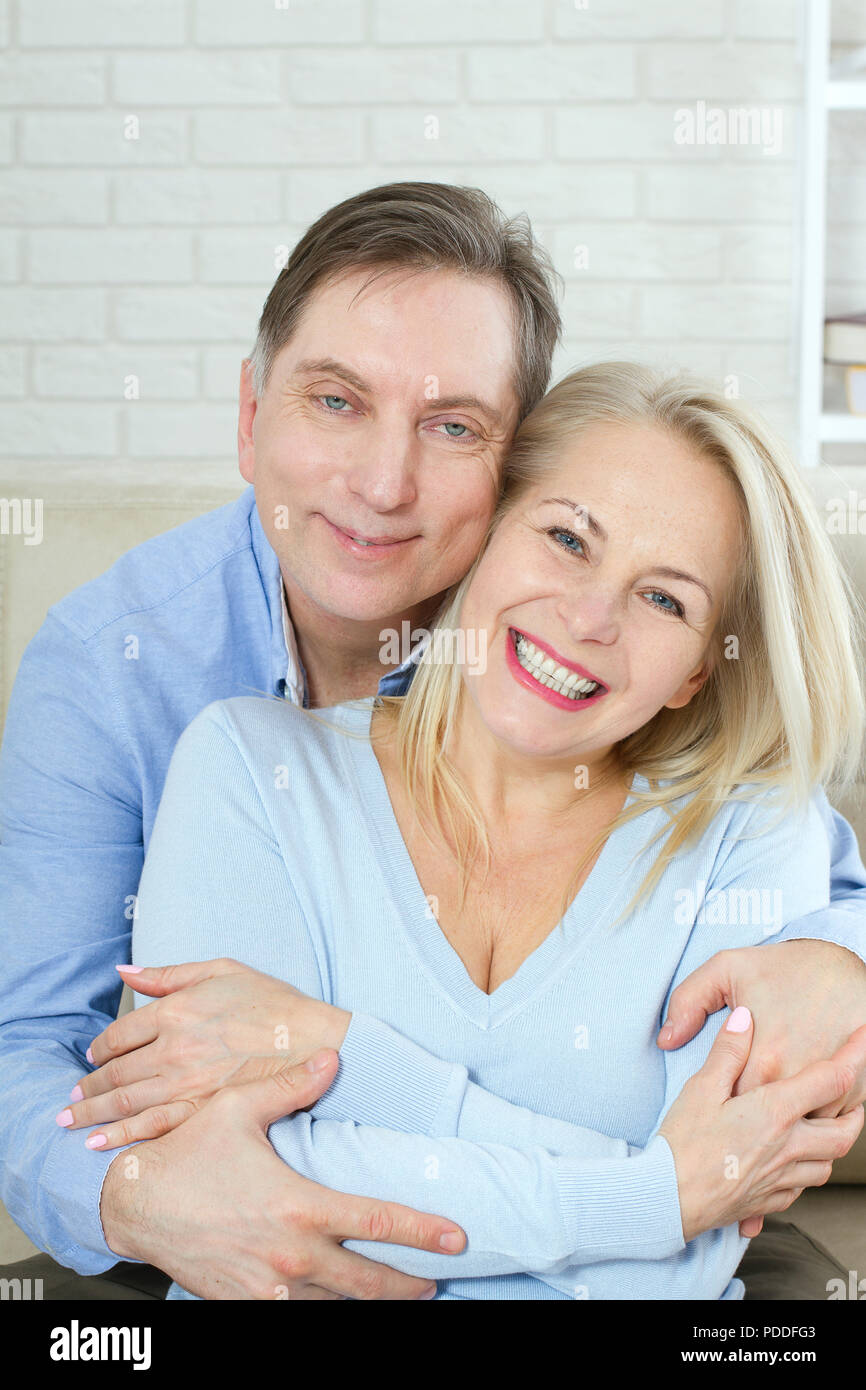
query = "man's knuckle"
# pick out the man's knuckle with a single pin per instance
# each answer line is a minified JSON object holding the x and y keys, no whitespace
{"x":298,"y":1216}
{"x":229,"y":1104}
{"x":292,"y":1265}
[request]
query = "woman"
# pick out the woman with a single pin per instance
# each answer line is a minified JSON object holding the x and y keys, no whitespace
{"x":506,"y":872}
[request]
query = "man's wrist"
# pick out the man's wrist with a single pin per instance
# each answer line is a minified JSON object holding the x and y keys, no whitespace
{"x":113,"y":1208}
{"x":338,"y":1021}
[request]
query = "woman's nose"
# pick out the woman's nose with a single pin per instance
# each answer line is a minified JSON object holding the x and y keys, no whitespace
{"x":592,"y":614}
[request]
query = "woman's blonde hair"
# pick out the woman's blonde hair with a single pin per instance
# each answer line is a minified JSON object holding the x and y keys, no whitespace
{"x":786,"y":712}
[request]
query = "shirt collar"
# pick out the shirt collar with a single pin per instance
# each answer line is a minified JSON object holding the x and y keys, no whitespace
{"x":288,"y":677}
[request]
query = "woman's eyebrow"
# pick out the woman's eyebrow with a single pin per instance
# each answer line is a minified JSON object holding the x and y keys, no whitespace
{"x":330,"y":364}
{"x":587,"y":520}
{"x":597,"y":529}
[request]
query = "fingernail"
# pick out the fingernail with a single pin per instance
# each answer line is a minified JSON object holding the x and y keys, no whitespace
{"x":452,"y":1240}
{"x":96,"y":1141}
{"x":429,"y":1293}
{"x":667,"y":1032}
{"x":130,"y":969}
{"x":739,"y":1020}
{"x":76,"y":1093}
{"x":65,"y":1118}
{"x":318,"y":1062}
{"x":89,"y":1055}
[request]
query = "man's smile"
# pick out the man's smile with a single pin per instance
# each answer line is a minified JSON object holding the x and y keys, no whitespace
{"x":364,"y":546}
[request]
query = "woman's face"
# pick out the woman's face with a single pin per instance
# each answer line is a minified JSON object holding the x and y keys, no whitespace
{"x":576,"y":576}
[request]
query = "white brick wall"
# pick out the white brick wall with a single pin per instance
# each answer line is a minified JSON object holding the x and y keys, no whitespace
{"x":151,"y":257}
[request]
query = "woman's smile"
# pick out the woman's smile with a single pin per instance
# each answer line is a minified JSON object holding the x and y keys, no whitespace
{"x":537,"y":667}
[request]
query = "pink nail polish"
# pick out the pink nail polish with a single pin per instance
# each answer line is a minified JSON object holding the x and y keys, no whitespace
{"x":89,"y":1055}
{"x":739,"y":1020}
{"x":130,"y":969}
{"x":65,"y":1118}
{"x":96,"y":1141}
{"x":76,"y":1093}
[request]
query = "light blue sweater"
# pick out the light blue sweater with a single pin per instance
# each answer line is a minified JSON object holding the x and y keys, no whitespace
{"x":528,"y":1116}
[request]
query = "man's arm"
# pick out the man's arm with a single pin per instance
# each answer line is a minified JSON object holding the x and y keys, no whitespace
{"x":70,"y":859}
{"x":843,"y":921}
{"x":70,"y":862}
{"x":806,"y":985}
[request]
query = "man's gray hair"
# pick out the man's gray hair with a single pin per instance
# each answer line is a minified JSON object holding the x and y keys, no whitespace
{"x":422,"y":226}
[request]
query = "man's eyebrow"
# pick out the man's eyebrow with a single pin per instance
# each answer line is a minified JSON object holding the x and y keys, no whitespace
{"x":589,"y":521}
{"x":330,"y":364}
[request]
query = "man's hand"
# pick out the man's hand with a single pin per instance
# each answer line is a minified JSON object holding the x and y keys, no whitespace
{"x":807,"y":997}
{"x":215,"y":1023}
{"x":212,"y":1205}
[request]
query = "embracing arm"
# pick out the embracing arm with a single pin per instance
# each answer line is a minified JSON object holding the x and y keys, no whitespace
{"x":70,"y":858}
{"x":841,"y":921}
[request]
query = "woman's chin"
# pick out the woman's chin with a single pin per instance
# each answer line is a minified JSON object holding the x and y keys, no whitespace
{"x":516,"y":730}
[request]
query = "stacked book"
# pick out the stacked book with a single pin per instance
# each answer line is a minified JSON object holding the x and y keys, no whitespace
{"x":845,"y":345}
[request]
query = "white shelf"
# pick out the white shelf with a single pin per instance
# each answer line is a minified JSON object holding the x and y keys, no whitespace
{"x":846,"y":96}
{"x":841,"y":428}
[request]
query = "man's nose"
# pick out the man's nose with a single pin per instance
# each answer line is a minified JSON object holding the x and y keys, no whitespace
{"x":384,"y":473}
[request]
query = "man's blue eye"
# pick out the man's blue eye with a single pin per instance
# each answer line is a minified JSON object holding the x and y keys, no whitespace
{"x":328,"y":400}
{"x":454,"y":425}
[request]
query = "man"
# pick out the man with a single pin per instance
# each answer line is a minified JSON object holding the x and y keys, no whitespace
{"x":410,"y":332}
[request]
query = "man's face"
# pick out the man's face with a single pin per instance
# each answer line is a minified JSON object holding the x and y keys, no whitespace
{"x":385,"y":420}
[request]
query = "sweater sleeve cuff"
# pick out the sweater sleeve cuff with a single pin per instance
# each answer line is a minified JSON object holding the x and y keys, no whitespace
{"x":627,"y":1208}
{"x":387,"y":1080}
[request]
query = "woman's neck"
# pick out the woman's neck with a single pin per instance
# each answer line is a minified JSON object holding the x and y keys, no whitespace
{"x":514,"y":791}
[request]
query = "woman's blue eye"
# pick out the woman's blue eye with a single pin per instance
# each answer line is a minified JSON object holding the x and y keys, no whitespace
{"x":454,"y":425}
{"x":676,"y":607}
{"x":563,"y":531}
{"x":328,"y":399}
{"x":559,"y":531}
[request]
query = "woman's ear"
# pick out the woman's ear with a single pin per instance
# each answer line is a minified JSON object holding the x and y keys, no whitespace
{"x":690,"y":686}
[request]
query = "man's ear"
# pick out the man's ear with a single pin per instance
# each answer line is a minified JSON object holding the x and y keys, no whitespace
{"x":247,"y":405}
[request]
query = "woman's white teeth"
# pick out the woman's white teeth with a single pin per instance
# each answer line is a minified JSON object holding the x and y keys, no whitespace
{"x":547,"y":672}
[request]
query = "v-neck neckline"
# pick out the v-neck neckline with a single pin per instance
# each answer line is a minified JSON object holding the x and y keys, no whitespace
{"x":598,"y":901}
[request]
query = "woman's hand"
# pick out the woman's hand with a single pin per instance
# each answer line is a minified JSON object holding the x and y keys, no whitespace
{"x":216,"y":1023}
{"x":741,"y":1157}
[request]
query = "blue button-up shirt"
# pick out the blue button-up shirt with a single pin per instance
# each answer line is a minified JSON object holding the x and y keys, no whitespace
{"x":117,"y":671}
{"x":104,"y":690}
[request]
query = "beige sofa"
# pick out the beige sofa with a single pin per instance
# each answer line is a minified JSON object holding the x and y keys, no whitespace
{"x":86,"y":527}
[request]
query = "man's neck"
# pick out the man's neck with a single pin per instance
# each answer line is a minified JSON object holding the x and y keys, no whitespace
{"x":343,"y":657}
